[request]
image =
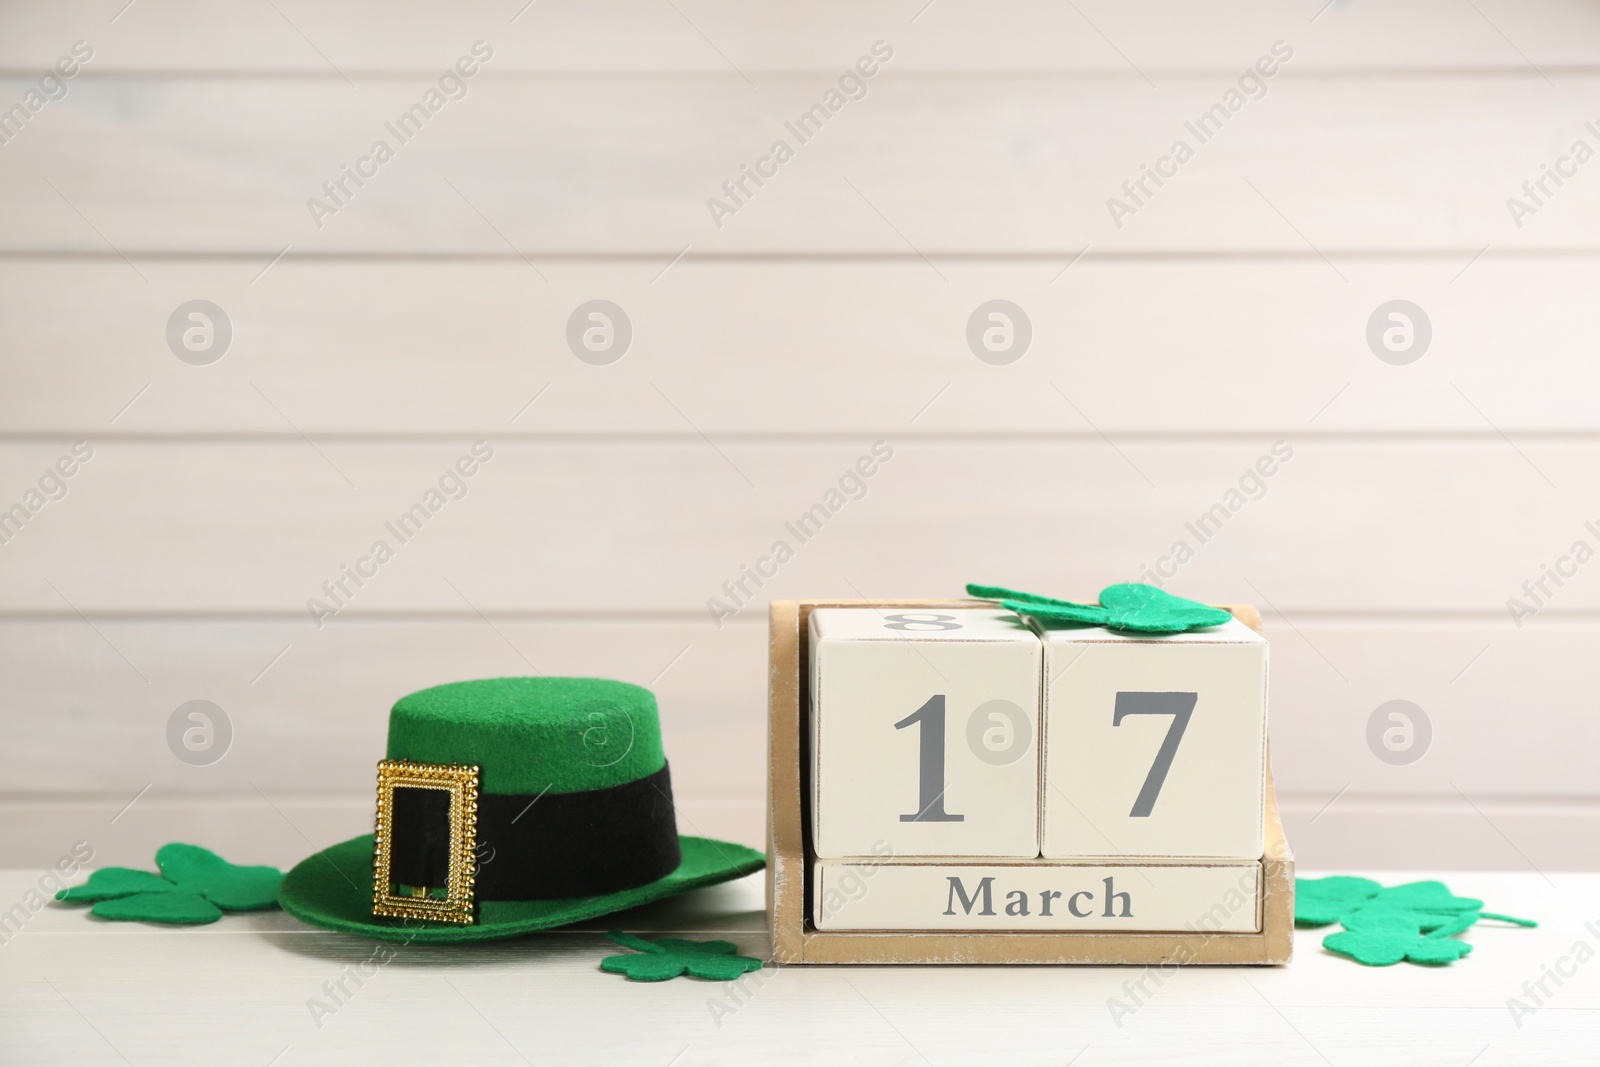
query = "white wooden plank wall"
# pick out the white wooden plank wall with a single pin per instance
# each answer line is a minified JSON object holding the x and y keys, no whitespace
{"x":1225,"y":314}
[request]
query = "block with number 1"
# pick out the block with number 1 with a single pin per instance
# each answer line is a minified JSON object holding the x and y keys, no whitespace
{"x":924,"y":733}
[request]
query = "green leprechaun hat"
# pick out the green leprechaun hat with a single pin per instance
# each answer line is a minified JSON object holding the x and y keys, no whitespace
{"x":511,"y":805}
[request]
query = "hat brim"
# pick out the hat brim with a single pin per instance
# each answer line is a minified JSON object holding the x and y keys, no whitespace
{"x":333,"y":890}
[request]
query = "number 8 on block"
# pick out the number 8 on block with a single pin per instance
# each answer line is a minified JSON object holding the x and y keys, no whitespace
{"x":924,"y":733}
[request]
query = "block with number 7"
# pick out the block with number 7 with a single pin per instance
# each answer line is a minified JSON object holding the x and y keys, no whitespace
{"x":924,"y":733}
{"x":1154,"y":745}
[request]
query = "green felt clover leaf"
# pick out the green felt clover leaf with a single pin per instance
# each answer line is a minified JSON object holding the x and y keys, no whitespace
{"x":1323,"y":901}
{"x":1427,"y":896}
{"x":1041,"y":606}
{"x":108,"y":883}
{"x":125,"y":894}
{"x":195,"y":886}
{"x":1146,"y":609}
{"x":229,"y":887}
{"x":1133,"y":607}
{"x":174,"y":906}
{"x":1430,"y":905}
{"x":671,"y":956}
{"x":1417,"y":921}
{"x":1382,"y":939}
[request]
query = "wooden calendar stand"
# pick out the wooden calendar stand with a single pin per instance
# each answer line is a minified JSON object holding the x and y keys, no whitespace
{"x":795,"y":939}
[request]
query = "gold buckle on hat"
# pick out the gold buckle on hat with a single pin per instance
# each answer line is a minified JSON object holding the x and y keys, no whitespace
{"x":462,"y":785}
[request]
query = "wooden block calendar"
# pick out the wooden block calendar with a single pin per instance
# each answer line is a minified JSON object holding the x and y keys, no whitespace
{"x":911,"y":803}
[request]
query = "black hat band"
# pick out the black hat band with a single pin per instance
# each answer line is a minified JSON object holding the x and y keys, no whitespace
{"x":542,"y":846}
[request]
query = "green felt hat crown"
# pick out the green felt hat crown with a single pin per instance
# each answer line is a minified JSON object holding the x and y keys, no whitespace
{"x":530,"y":735}
{"x":509,"y":805}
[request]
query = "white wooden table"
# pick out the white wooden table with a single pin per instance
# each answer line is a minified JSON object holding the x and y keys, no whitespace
{"x":77,"y":991}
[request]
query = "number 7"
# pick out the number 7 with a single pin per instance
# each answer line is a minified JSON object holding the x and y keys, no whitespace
{"x":1180,"y":706}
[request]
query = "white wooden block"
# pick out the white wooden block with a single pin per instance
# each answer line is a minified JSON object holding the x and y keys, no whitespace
{"x":1030,"y":895}
{"x":924,"y":733}
{"x":1154,"y":746}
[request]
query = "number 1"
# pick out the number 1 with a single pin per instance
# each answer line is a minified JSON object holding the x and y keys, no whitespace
{"x":930,"y":763}
{"x":1180,"y":706}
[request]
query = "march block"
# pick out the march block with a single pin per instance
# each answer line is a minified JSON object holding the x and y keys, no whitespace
{"x":924,"y":733}
{"x":1154,"y":745}
{"x":1036,"y":895}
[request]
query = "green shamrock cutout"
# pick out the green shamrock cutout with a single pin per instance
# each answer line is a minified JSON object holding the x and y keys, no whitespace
{"x":1430,"y":905}
{"x":671,"y":956}
{"x":1416,"y":921}
{"x":195,"y":886}
{"x":1131,"y":607}
{"x":1321,"y":901}
{"x":1324,"y":901}
{"x":1381,"y":939}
